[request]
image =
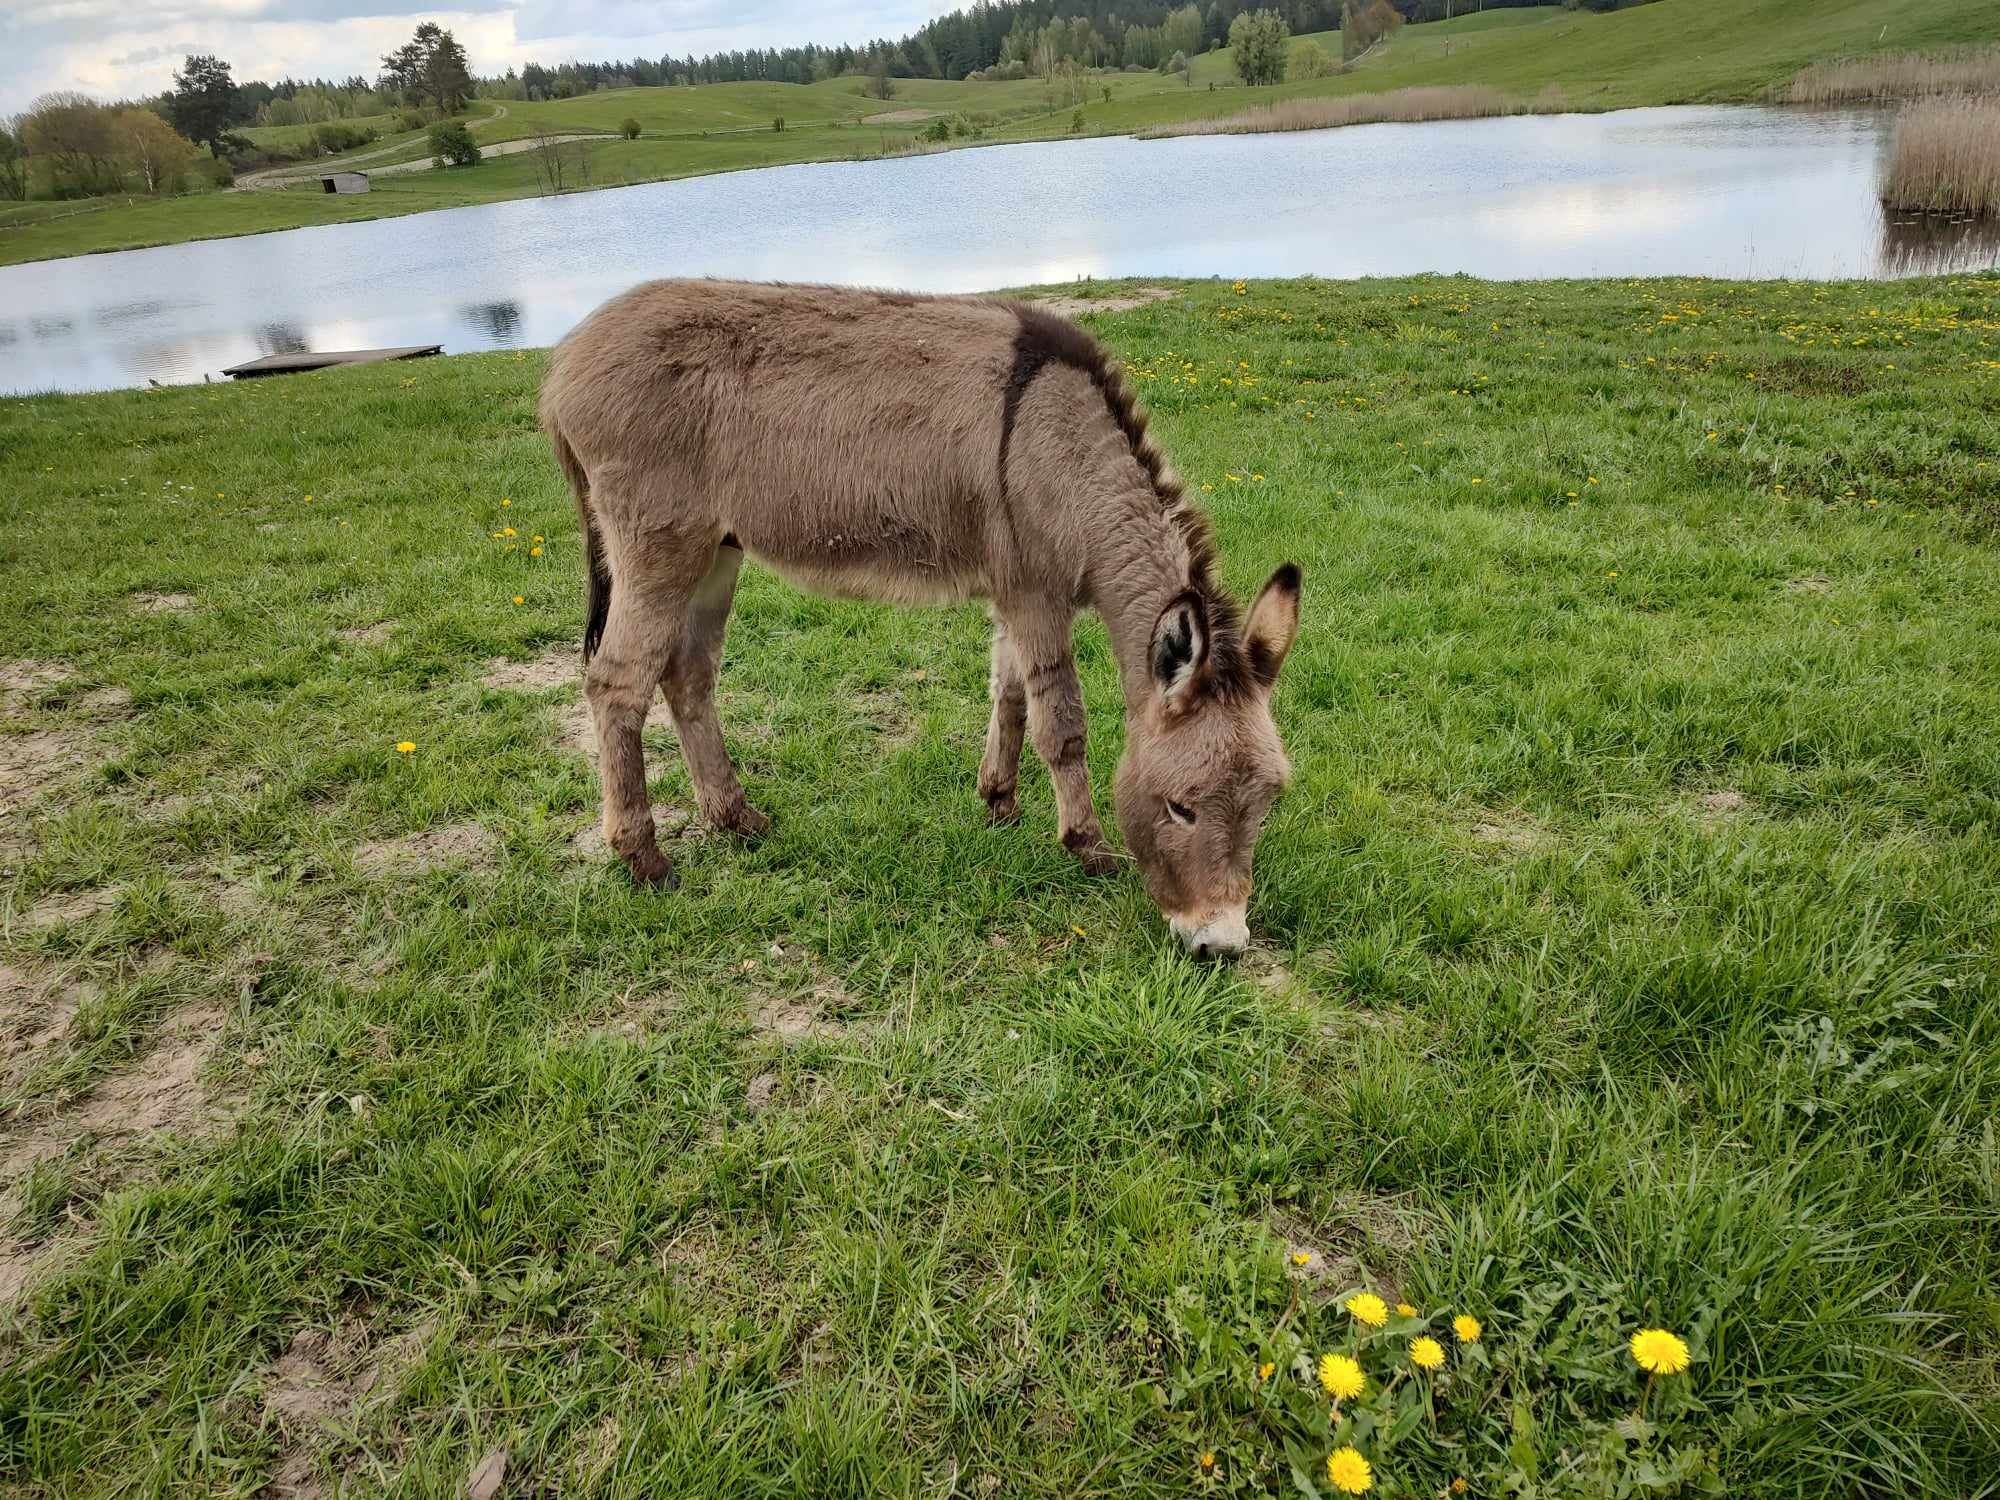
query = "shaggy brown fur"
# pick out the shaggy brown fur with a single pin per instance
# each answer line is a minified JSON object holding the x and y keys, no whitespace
{"x":919,"y":450}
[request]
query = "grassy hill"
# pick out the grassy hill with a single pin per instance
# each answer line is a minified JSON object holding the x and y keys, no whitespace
{"x":1669,"y":52}
{"x":1625,"y":951}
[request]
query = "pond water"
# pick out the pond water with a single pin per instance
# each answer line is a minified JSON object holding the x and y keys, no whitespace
{"x":1715,"y":191}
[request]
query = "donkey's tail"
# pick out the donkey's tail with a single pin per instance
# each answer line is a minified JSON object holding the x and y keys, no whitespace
{"x":597,"y":606}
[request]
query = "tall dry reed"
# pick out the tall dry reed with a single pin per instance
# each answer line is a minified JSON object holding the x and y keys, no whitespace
{"x":1896,"y":75}
{"x":1946,"y":158}
{"x":1468,"y":102}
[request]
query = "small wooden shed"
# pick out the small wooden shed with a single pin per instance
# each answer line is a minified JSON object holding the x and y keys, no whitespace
{"x":344,"y":182}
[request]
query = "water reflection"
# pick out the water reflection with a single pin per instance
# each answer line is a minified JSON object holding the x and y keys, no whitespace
{"x":282,"y":338}
{"x":499,"y":321}
{"x":1929,"y":244}
{"x":1698,"y":190}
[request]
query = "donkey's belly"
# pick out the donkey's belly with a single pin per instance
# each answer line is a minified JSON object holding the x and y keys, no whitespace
{"x":901,"y":585}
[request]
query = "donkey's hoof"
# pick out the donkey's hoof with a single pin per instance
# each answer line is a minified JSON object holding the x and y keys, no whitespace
{"x":1091,"y":852}
{"x":745,"y":822}
{"x":1003,"y":809}
{"x":649,"y":867}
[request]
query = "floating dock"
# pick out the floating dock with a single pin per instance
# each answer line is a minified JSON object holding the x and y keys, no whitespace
{"x":295,"y":364}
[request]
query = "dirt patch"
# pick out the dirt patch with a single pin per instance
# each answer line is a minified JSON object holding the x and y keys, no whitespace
{"x":757,"y":1097}
{"x":70,"y":906}
{"x":433,"y":848}
{"x":891,"y":719}
{"x":796,"y":999}
{"x":1721,"y":806}
{"x":900,"y":117}
{"x":21,"y":682}
{"x":1513,"y":832}
{"x":1352,"y":1249}
{"x":668,"y":822}
{"x":322,"y":1382}
{"x":1809,"y":583}
{"x":162,"y":604}
{"x":36,"y":1009}
{"x":32,"y":764}
{"x":1072,"y":305}
{"x":552,"y":669}
{"x":369,"y":635}
{"x":161,"y":1091}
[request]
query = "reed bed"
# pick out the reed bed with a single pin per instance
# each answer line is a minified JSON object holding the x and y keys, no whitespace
{"x":1946,"y":158}
{"x":1465,"y":102}
{"x":1896,"y":75}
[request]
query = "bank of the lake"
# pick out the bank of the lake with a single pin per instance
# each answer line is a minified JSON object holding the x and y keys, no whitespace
{"x":1726,"y":190}
{"x":1669,"y":52}
{"x":1625,"y":947}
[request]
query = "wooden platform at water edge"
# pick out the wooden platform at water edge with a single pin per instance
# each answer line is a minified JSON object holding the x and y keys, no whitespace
{"x":295,"y":364}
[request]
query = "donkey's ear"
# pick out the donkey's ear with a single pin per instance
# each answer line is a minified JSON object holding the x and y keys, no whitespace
{"x":1274,"y":624}
{"x":1180,"y":644}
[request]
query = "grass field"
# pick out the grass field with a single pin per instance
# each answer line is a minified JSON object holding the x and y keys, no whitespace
{"x":1674,"y":51}
{"x":1625,"y":951}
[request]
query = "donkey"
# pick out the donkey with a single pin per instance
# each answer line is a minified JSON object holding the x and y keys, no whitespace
{"x":919,"y":450}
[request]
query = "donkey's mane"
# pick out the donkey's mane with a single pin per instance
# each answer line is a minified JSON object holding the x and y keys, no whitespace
{"x":1045,"y":339}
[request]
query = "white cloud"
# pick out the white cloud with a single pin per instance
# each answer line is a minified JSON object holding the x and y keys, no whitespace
{"x":124,"y":48}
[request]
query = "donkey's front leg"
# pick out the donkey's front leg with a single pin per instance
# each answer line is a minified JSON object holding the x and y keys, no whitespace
{"x":1056,"y":725}
{"x":1000,"y":769}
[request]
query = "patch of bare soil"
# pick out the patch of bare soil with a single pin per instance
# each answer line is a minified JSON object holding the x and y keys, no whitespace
{"x":36,"y":1009}
{"x":162,"y":604}
{"x":1513,"y":832}
{"x":413,"y":853}
{"x":757,"y":1098}
{"x":22,"y":681}
{"x":668,"y":822}
{"x":35,"y":763}
{"x":891,"y":719}
{"x":1351,"y":1249}
{"x":161,"y":1091}
{"x":369,"y":635}
{"x":1720,"y":806}
{"x":70,"y":906}
{"x":1809,"y":583}
{"x":323,"y":1380}
{"x":794,"y":998}
{"x":1070,"y":305}
{"x":550,"y":670}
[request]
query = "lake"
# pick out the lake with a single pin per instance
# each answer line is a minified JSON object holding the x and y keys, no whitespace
{"x":1711,"y":191}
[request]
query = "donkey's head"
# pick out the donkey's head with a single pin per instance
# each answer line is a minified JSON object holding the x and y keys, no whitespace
{"x":1203,"y":762}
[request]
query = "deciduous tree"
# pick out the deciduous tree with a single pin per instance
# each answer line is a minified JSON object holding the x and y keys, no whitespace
{"x":153,"y":149}
{"x":1260,"y":41}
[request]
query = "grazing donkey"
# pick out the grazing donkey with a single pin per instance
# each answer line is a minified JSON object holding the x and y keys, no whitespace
{"x":922,"y":450}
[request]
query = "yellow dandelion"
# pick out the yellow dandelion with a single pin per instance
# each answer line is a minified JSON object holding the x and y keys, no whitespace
{"x":1302,"y":1257}
{"x":1206,"y":1463}
{"x":1404,"y":1310}
{"x":520,"y":599}
{"x":534,"y":552}
{"x":534,"y":539}
{"x":1267,"y":1369}
{"x":1367,"y":1308}
{"x":1659,"y":1352}
{"x":406,"y":747}
{"x":1341,"y":1376}
{"x":309,"y":499}
{"x":1467,"y":1328}
{"x":505,"y":501}
{"x":1426,"y":1353}
{"x":1348,"y":1472}
{"x":1459,"y":1486}
{"x":508,"y":531}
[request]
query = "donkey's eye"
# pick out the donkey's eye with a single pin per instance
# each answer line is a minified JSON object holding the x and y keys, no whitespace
{"x":1180,"y":813}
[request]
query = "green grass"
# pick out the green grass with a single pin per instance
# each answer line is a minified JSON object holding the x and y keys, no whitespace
{"x":1675,"y":51}
{"x":1625,"y":949}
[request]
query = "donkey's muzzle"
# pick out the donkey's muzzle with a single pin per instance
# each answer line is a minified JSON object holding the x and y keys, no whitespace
{"x":1222,"y":934}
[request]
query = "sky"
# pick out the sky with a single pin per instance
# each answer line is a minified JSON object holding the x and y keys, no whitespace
{"x":125,"y":48}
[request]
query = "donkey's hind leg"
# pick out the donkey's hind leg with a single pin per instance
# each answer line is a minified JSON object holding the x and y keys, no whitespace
{"x":690,"y":688}
{"x":1000,"y":769}
{"x":650,"y":591}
